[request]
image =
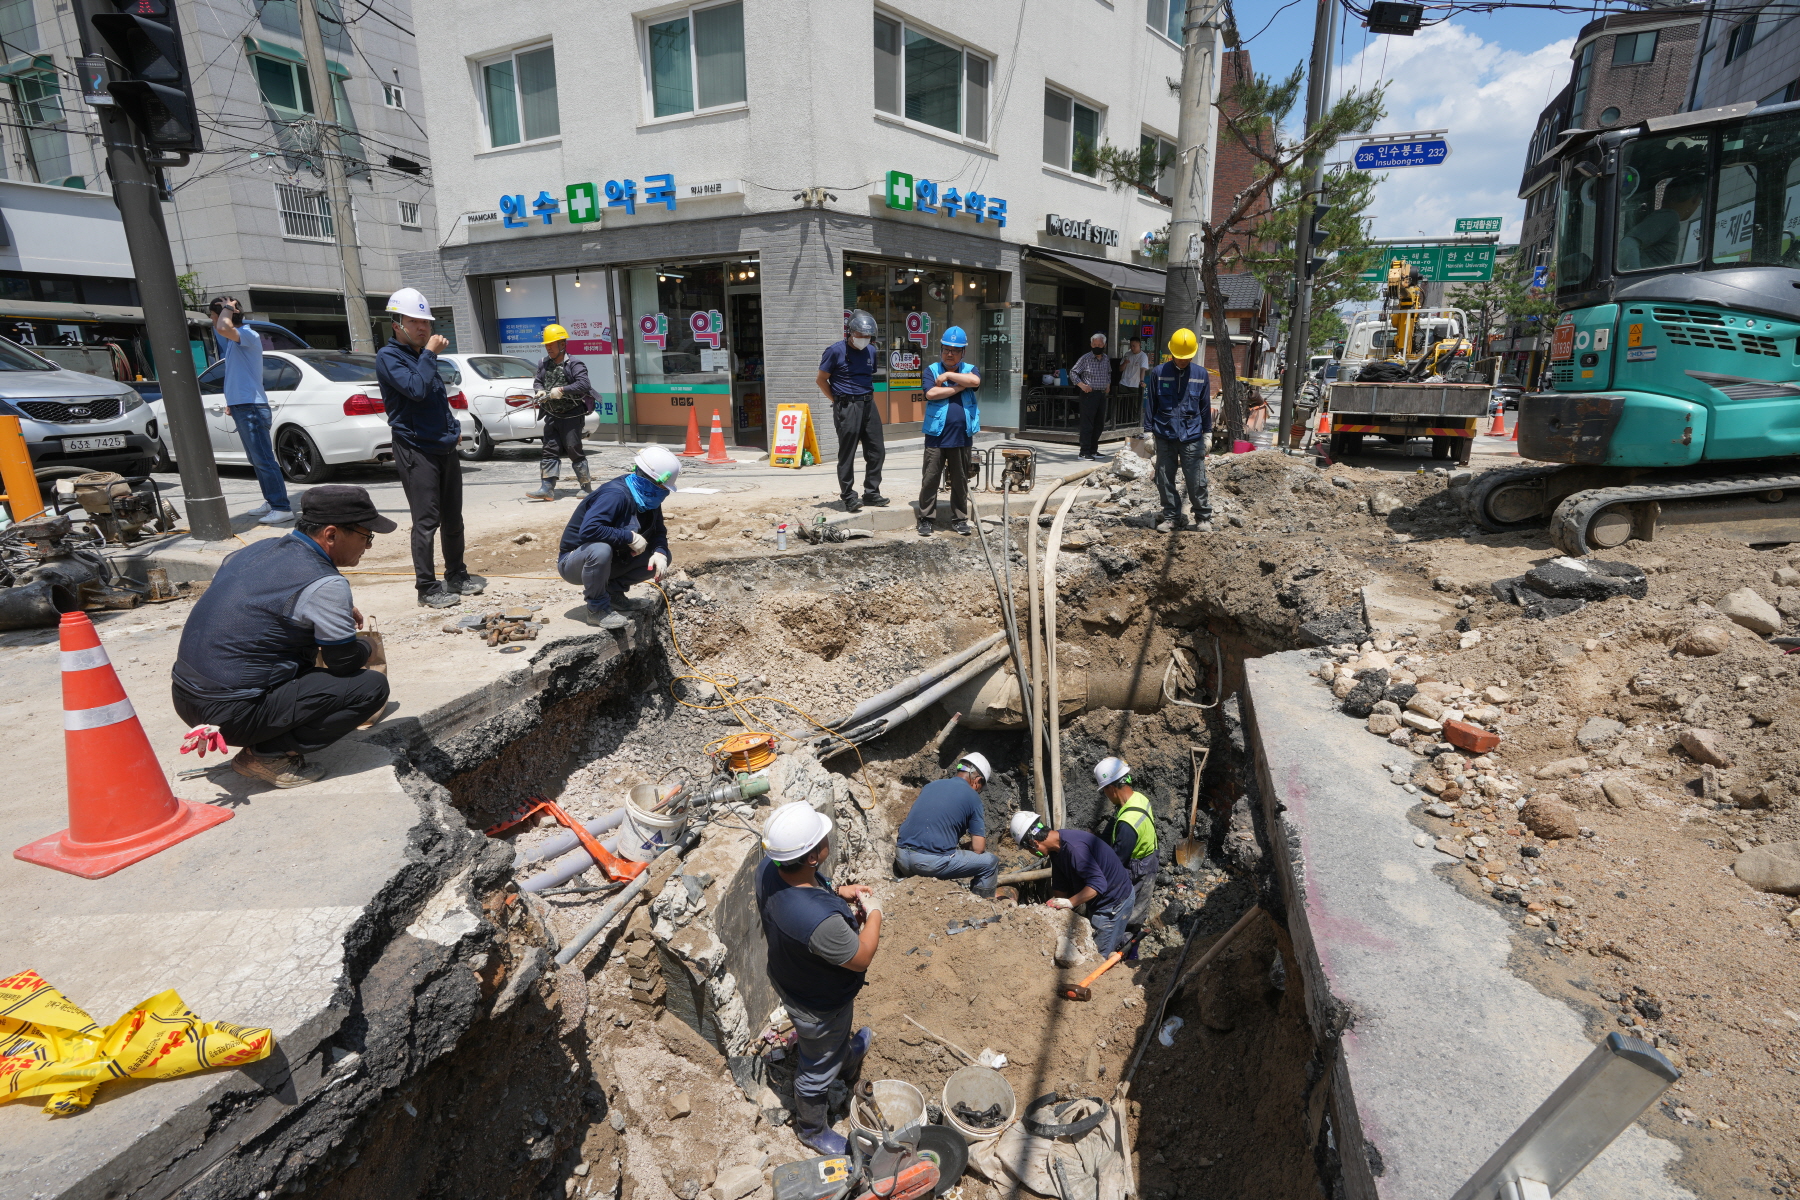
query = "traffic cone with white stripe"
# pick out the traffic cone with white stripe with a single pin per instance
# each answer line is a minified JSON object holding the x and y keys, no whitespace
{"x":715,"y":444}
{"x":120,"y":806}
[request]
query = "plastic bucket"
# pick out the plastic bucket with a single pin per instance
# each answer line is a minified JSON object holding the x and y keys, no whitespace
{"x":978,"y":1087}
{"x":902,"y":1105}
{"x":643,"y":834}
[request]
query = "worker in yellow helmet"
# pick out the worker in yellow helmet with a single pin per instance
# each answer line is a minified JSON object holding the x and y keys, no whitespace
{"x":564,"y":400}
{"x":1178,"y":414}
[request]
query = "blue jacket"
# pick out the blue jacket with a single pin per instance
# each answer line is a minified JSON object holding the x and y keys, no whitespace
{"x":1178,"y":401}
{"x":611,"y":514}
{"x":937,"y":412}
{"x":417,"y":403}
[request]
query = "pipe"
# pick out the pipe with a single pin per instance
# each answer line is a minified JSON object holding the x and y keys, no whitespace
{"x":1023,"y":876}
{"x":566,"y":841}
{"x":912,"y":683}
{"x":568,"y":868}
{"x":688,"y":841}
{"x":1037,"y":649}
{"x":1052,"y":548}
{"x":39,"y":604}
{"x":896,"y":717}
{"x":1007,"y":616}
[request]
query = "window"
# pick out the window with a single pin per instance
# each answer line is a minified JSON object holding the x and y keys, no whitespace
{"x":1608,"y":115}
{"x":1629,"y":49}
{"x":305,"y":213}
{"x":696,"y":61}
{"x":284,"y":84}
{"x":1584,"y":73}
{"x":1071,"y":133}
{"x":1741,"y":39}
{"x":519,"y":93}
{"x":1166,"y":17}
{"x":393,"y":95}
{"x":1156,"y":166}
{"x":1659,"y":219}
{"x":279,"y":375}
{"x":409,"y":214}
{"x":930,"y":81}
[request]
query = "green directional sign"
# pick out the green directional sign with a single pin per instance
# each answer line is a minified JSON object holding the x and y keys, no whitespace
{"x":1478,"y":224}
{"x":1446,"y":264}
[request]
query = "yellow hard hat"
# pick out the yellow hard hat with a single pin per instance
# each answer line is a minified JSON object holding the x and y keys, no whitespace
{"x":555,"y":333}
{"x":1183,"y":344}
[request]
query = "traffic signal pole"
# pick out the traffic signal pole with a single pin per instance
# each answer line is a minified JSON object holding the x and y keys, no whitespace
{"x":337,"y":183}
{"x":1318,"y":91}
{"x":138,"y":194}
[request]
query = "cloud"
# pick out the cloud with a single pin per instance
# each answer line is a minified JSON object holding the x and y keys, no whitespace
{"x":1489,"y":98}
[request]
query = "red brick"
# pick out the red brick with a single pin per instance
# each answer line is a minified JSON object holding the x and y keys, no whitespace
{"x":1472,"y":738}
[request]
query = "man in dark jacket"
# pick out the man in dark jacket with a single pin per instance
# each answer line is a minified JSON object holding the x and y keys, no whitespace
{"x":249,"y":648}
{"x":565,"y":398}
{"x":425,"y":437}
{"x":1178,"y":413}
{"x":617,"y":536}
{"x":847,"y":380}
{"x":1083,"y":870}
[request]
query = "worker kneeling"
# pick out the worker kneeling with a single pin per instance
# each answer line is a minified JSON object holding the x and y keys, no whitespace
{"x":617,"y":537}
{"x":1132,"y":833}
{"x":817,"y":957}
{"x":930,"y":839}
{"x":1083,"y":870}
{"x":248,"y":651}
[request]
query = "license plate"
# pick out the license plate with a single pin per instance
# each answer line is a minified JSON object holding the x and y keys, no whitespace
{"x":111,"y":441}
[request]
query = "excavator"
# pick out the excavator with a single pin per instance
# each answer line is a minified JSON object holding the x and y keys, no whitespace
{"x":1418,"y":342}
{"x":1675,"y":361}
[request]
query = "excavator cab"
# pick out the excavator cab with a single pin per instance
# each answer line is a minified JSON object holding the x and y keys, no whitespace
{"x":1675,"y":362}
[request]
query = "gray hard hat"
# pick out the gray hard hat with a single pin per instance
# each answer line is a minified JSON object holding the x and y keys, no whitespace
{"x":861,"y":324}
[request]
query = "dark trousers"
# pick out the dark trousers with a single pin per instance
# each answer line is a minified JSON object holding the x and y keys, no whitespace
{"x":307,"y":713}
{"x":858,"y":421}
{"x":955,"y":462}
{"x":562,"y":439}
{"x":433,"y":486}
{"x":1190,"y":458}
{"x":1093,"y":415}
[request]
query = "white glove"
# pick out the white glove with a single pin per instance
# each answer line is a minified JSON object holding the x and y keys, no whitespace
{"x":638,"y":544}
{"x":870,"y":903}
{"x":1058,"y":902}
{"x":556,"y":393}
{"x":659,"y":562}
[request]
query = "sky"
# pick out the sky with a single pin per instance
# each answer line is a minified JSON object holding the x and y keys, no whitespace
{"x":1483,"y":77}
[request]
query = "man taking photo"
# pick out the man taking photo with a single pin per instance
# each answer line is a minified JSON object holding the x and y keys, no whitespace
{"x":241,"y":347}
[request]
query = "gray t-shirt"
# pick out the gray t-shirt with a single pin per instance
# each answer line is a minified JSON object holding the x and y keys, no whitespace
{"x":325,"y":605}
{"x":834,"y":941}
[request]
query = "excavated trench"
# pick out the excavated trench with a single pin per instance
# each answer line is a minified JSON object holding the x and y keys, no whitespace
{"x":486,"y":1070}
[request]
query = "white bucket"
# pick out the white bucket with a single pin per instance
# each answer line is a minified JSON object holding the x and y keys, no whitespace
{"x":978,"y":1087}
{"x":643,"y":834}
{"x":902,"y":1105}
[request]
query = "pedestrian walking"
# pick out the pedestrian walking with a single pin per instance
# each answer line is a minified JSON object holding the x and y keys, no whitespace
{"x":565,"y":398}
{"x":241,"y":348}
{"x":952,"y":419}
{"x":425,"y":437}
{"x":1178,"y":413}
{"x":1092,"y":373}
{"x":847,"y":377}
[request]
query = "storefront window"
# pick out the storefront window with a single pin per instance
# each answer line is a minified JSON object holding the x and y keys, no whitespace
{"x":524,"y":304}
{"x":913,"y":305}
{"x":681,"y":351}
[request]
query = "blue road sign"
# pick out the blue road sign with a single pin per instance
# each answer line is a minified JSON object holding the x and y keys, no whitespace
{"x":1537,"y":276}
{"x":1381,"y":155}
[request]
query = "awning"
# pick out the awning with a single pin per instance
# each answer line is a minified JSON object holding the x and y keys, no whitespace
{"x":35,"y":310}
{"x":1132,"y":283}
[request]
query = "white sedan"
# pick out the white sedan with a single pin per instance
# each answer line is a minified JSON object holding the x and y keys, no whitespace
{"x":499,"y":388}
{"x":324,"y":409}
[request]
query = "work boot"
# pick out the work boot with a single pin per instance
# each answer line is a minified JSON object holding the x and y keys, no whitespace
{"x":924,"y":528}
{"x":467,"y":585}
{"x":962,"y":527}
{"x":439,"y":596}
{"x":288,"y":770}
{"x":1204,"y":527}
{"x":852,"y":504}
{"x":546,"y":490}
{"x":605,"y":618}
{"x":622,"y":601}
{"x":859,"y":1049}
{"x":876,"y":500}
{"x":813,"y":1128}
{"x":1166,"y":525}
{"x":582,"y":477}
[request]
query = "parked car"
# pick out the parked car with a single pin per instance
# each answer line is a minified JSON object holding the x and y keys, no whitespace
{"x":324,"y":410}
{"x":1508,"y":390}
{"x":75,"y":423}
{"x":499,"y":389}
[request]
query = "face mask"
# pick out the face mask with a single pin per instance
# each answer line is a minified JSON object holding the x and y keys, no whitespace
{"x":646,"y":493}
{"x":859,"y":342}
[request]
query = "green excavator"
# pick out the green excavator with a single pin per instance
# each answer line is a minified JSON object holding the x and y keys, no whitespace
{"x":1675,"y":362}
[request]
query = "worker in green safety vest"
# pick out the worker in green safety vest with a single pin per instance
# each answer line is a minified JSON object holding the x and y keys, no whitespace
{"x":1132,"y":832}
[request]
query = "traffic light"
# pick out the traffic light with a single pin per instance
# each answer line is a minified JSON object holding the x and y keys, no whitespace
{"x":155,"y":92}
{"x":1315,"y":237}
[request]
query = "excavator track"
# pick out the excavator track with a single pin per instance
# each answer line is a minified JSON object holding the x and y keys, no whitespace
{"x":1490,"y":483}
{"x":1573,"y":528}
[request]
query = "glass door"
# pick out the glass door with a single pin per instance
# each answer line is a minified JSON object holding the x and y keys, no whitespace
{"x":681,"y":352}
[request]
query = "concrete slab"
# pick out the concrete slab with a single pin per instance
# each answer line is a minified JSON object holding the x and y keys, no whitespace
{"x":1440,"y":1050}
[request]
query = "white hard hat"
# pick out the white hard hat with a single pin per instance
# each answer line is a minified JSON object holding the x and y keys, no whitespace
{"x":1026,"y":824}
{"x":793,"y":829}
{"x":409,"y":302}
{"x":977,"y":761}
{"x":1109,"y":771}
{"x":660,"y":464}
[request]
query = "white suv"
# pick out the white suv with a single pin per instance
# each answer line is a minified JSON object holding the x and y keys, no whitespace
{"x":75,"y":423}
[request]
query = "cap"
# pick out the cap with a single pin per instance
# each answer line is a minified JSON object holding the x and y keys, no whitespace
{"x":342,"y":504}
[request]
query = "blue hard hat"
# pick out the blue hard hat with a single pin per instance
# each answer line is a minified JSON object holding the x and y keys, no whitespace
{"x":954,"y":337}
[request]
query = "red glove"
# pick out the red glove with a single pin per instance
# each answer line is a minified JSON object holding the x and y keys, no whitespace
{"x":202,"y":738}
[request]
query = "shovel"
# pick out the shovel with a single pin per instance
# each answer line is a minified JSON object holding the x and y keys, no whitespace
{"x":1191,"y":853}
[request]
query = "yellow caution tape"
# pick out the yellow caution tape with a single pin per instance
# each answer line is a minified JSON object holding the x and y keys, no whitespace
{"x":50,"y":1047}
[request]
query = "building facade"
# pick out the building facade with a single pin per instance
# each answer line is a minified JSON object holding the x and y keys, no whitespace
{"x":248,"y":216}
{"x":702,"y":193}
{"x":1747,"y":54}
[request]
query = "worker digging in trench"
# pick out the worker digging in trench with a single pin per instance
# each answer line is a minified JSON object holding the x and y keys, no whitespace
{"x":1083,"y":870}
{"x":929,"y":842}
{"x":1131,"y":833}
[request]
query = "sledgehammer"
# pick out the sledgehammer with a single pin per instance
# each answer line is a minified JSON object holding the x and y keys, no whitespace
{"x":1082,"y":991}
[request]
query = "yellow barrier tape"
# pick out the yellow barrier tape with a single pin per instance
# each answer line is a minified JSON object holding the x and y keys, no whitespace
{"x":50,"y":1047}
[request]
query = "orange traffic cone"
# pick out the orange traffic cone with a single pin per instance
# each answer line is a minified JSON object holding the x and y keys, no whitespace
{"x":120,"y":805}
{"x":1324,"y":426}
{"x":693,"y":442}
{"x":1515,"y":432}
{"x":1498,"y":428}
{"x":715,"y":444}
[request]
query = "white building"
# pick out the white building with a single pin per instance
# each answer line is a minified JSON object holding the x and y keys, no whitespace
{"x":723,"y":182}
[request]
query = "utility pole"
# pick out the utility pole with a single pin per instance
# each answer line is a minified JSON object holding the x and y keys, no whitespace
{"x":337,"y":184}
{"x":1318,"y":95}
{"x":137,"y":190}
{"x":1193,"y":136}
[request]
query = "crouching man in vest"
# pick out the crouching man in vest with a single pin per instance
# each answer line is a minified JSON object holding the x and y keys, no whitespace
{"x":817,"y":958}
{"x":1132,"y":833}
{"x":249,"y":651}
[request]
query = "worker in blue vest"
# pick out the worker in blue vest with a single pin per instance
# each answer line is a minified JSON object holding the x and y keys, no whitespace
{"x":952,"y":419}
{"x":1178,"y":413}
{"x":1131,"y":832}
{"x":819,"y":949}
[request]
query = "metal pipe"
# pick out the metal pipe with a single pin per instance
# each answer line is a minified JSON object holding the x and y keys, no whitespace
{"x":1155,"y":1022}
{"x":1054,"y":712}
{"x":564,"y":842}
{"x":1007,"y":616}
{"x":1037,"y":649}
{"x":900,"y":715}
{"x":1023,"y":876}
{"x":912,"y":683}
{"x":620,"y":902}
